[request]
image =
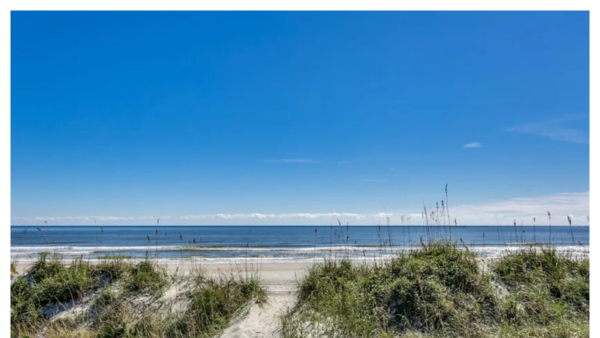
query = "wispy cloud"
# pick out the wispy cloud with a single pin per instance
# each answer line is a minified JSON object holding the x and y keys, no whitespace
{"x":293,"y":160}
{"x":472,"y":145}
{"x":523,"y":209}
{"x":220,"y":218}
{"x":86,"y":218}
{"x":556,"y":129}
{"x":560,"y":205}
{"x":355,"y":160}
{"x":305,"y":215}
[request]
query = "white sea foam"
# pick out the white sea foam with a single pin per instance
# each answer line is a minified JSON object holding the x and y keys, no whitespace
{"x":69,"y":249}
{"x":267,"y":255}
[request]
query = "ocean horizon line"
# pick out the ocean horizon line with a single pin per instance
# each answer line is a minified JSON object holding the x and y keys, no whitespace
{"x":291,"y":225}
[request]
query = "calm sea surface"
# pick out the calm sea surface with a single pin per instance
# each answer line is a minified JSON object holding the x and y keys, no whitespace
{"x":216,"y":244}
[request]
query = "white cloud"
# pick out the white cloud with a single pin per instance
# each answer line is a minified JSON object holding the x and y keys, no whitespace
{"x":294,"y":160}
{"x":272,"y":216}
{"x":85,"y":218}
{"x":555,"y":129}
{"x":472,"y":145}
{"x":576,"y":205}
{"x":355,"y":160}
{"x":523,"y":209}
{"x":504,"y":212}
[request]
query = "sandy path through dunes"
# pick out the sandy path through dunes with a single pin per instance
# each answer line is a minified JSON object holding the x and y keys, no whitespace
{"x":264,"y":321}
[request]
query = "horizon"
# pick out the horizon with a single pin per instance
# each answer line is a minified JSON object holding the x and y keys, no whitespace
{"x":293,"y":225}
{"x":280,"y":118}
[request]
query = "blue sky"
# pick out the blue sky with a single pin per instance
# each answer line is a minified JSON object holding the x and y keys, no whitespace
{"x":298,"y":117}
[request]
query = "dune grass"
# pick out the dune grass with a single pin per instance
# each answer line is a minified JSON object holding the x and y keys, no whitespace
{"x":442,"y":290}
{"x":145,"y":276}
{"x":13,"y":269}
{"x":49,"y":281}
{"x":210,"y":305}
{"x":549,"y":292}
{"x":213,"y":303}
{"x":126,"y":300}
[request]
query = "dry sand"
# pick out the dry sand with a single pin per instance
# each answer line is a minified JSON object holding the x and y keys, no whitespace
{"x":264,"y":321}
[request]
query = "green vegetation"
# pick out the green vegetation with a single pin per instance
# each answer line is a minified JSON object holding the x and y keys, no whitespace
{"x":49,"y":281}
{"x":124,"y":299}
{"x":549,"y":293}
{"x":213,"y":304}
{"x":13,"y":269}
{"x":441,"y":290}
{"x":145,"y":276}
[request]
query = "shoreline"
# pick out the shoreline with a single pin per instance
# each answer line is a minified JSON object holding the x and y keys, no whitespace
{"x":281,"y":283}
{"x":273,"y":264}
{"x":269,"y":268}
{"x":304,"y":258}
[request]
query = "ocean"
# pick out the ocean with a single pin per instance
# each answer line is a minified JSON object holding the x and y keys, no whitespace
{"x":275,"y":244}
